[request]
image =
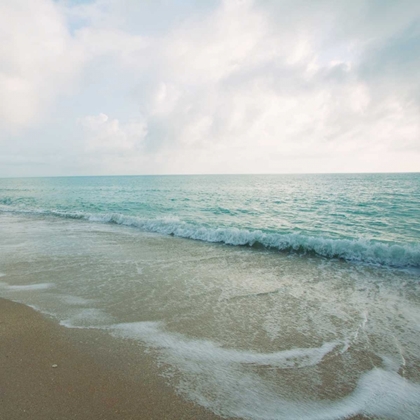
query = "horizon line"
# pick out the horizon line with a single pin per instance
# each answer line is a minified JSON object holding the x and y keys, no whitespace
{"x":210,"y":174}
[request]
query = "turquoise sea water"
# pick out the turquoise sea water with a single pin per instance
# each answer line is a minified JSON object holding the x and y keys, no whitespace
{"x":263,"y":297}
{"x":371,"y":218}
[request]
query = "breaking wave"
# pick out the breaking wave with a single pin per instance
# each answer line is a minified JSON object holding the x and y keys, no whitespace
{"x":352,"y":250}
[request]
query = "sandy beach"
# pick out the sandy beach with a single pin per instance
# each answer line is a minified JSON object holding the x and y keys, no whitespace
{"x":50,"y":372}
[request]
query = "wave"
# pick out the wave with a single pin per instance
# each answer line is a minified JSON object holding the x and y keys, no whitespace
{"x":352,"y":250}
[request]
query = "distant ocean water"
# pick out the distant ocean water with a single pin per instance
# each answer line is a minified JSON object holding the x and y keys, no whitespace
{"x":265,"y":296}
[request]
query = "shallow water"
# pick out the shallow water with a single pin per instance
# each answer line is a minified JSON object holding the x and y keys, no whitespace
{"x":246,"y":332}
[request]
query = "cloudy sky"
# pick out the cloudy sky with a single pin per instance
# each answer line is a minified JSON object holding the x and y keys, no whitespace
{"x":209,"y":86}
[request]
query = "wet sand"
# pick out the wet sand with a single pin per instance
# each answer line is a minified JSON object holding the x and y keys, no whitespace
{"x":94,"y":378}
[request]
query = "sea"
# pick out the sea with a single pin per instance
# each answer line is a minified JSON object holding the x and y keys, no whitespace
{"x":260,"y":296}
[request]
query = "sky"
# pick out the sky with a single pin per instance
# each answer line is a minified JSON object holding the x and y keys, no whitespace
{"x":126,"y":87}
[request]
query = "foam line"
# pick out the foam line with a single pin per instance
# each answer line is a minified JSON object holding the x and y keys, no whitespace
{"x":27,"y":287}
{"x":353,"y":250}
{"x":203,"y":350}
{"x":218,"y":379}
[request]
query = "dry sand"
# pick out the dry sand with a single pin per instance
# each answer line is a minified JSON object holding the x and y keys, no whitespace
{"x":90,"y":381}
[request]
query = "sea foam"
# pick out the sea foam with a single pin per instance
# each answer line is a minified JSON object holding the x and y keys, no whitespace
{"x":218,"y":378}
{"x":26,"y":287}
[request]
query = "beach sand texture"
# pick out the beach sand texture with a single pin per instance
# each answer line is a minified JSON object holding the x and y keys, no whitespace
{"x":80,"y":387}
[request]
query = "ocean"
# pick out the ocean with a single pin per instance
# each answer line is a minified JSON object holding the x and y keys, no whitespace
{"x":260,"y":296}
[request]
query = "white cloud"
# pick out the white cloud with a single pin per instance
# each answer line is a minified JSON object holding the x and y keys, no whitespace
{"x":105,"y":135}
{"x":39,"y":61}
{"x":238,"y":80}
{"x":247,"y":86}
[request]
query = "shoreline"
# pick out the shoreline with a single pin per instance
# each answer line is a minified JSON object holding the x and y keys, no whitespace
{"x":52,"y":372}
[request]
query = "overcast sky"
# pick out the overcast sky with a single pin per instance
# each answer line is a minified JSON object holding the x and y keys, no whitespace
{"x":209,"y":86}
